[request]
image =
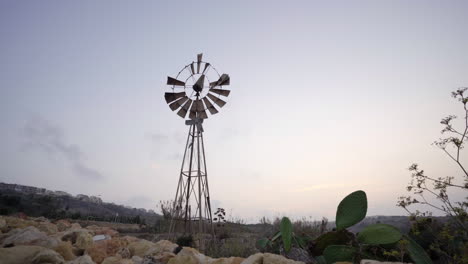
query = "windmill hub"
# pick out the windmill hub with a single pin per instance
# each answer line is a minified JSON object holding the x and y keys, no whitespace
{"x":196,"y":88}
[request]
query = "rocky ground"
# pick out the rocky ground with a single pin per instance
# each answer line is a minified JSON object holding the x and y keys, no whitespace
{"x":38,"y":240}
{"x":26,"y":240}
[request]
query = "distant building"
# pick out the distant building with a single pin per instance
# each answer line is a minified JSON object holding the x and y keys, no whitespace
{"x":62,"y":193}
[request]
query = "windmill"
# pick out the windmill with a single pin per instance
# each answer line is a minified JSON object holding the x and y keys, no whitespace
{"x":196,"y":89}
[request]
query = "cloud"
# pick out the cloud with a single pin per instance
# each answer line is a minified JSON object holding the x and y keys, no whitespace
{"x":41,"y":135}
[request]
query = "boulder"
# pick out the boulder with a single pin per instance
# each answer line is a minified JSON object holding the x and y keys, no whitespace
{"x":47,"y":227}
{"x":3,"y":224}
{"x":84,"y":240}
{"x":268,"y":258}
{"x":137,"y":260}
{"x":112,"y":260}
{"x":139,"y":248}
{"x":15,"y":222}
{"x":65,"y":250}
{"x":28,"y":236}
{"x":29,"y":255}
{"x":97,"y":252}
{"x":184,"y":260}
{"x":163,"y":257}
{"x":71,"y":234}
{"x":82,"y":260}
{"x":199,"y":257}
{"x":161,"y":247}
{"x":254,"y":259}
{"x":63,"y":225}
{"x":75,"y":226}
{"x":105,"y":248}
{"x":231,"y":260}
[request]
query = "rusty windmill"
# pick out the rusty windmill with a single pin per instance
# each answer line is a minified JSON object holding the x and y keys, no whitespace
{"x":196,"y":89}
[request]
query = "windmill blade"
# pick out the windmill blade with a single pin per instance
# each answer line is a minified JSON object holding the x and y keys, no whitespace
{"x":170,"y":97}
{"x":202,"y":114}
{"x":192,"y":114}
{"x":206,"y":67}
{"x":197,"y":106}
{"x":210,"y":106}
{"x":183,"y":111}
{"x":220,"y":91}
{"x":174,"y":81}
{"x":216,"y":100}
{"x":176,"y":104}
{"x":199,"y":59}
{"x":223,"y":80}
{"x":192,"y":68}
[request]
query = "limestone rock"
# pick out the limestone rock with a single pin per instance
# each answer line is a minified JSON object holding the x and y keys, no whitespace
{"x":183,"y":260}
{"x":86,"y":259}
{"x":105,"y":248}
{"x":29,"y":254}
{"x":28,"y":236}
{"x":199,"y":257}
{"x":112,"y":260}
{"x":269,"y":258}
{"x":139,"y":248}
{"x":161,"y":247}
{"x":163,"y":258}
{"x":231,"y":260}
{"x":75,"y":226}
{"x":137,"y":259}
{"x":97,"y":252}
{"x":71,"y":234}
{"x":47,"y":227}
{"x":63,"y":225}
{"x":84,"y":240}
{"x":3,"y":224}
{"x":65,"y":250}
{"x":15,"y":222}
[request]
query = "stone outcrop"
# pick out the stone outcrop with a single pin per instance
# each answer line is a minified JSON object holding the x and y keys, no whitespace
{"x":29,"y":254}
{"x":28,"y":236}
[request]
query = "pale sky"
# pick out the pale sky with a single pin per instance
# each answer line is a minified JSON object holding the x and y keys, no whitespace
{"x":328,"y":97}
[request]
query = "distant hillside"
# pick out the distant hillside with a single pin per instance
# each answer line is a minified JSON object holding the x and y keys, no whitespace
{"x":32,"y":201}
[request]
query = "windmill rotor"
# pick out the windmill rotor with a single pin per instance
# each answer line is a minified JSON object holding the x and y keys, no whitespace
{"x":197,"y":90}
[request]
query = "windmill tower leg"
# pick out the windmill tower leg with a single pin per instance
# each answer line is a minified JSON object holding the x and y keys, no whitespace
{"x":191,"y":212}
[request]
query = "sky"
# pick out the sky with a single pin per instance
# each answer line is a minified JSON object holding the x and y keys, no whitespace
{"x":328,"y":97}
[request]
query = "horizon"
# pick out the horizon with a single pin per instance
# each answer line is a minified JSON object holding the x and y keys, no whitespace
{"x":327,"y":98}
